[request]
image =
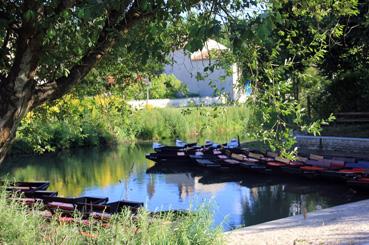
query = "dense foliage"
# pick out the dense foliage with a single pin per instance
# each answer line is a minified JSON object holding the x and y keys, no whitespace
{"x":346,"y":65}
{"x":73,"y":122}
{"x":281,"y":50}
{"x":162,"y":86}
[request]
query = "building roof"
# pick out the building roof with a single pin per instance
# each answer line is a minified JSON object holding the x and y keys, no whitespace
{"x":204,"y":53}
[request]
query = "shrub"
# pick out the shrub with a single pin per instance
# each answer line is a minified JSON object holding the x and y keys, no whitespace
{"x":71,"y":122}
{"x":167,"y":86}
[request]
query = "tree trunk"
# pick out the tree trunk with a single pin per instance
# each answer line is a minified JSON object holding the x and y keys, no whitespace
{"x":14,"y":105}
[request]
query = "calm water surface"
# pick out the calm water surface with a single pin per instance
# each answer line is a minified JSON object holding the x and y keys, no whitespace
{"x":239,"y":199}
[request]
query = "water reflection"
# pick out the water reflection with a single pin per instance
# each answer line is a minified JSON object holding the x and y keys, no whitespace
{"x":124,"y":172}
{"x":72,"y":172}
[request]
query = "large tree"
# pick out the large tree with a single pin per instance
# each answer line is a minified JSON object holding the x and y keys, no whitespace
{"x":47,"y":47}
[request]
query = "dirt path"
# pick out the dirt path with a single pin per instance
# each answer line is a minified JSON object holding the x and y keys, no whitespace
{"x":344,"y":224}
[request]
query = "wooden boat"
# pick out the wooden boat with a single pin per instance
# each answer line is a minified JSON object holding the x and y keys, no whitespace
{"x":24,"y":186}
{"x":257,"y":168}
{"x":228,"y":162}
{"x":343,"y":174}
{"x":326,"y":163}
{"x":52,"y":202}
{"x":260,"y":157}
{"x":359,"y":164}
{"x":244,"y":158}
{"x":344,"y":159}
{"x":246,"y":165}
{"x":165,"y":148}
{"x":249,"y":164}
{"x":75,"y":200}
{"x":104,"y":211}
{"x":40,"y":194}
{"x":229,"y":157}
{"x":292,"y":167}
{"x":275,"y":164}
{"x":175,"y":157}
{"x":30,"y":198}
{"x":217,"y":159}
{"x":91,"y":206}
{"x":207,"y":163}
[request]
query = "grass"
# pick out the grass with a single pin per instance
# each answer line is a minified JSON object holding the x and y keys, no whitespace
{"x":217,"y":123}
{"x":22,"y":225}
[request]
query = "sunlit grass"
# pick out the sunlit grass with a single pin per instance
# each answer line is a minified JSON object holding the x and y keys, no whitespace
{"x":216,"y":123}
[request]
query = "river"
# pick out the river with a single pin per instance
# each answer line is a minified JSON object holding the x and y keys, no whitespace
{"x":122,"y":172}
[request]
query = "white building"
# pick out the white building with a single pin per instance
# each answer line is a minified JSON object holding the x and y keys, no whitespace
{"x":187,"y":66}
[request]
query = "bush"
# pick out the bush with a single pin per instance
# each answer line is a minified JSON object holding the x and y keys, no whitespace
{"x":167,"y":86}
{"x":72,"y":122}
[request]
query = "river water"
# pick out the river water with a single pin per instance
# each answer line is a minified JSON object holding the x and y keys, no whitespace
{"x":237,"y":199}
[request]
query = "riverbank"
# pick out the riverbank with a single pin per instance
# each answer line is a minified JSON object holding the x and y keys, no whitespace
{"x":104,"y":120}
{"x":343,"y":224}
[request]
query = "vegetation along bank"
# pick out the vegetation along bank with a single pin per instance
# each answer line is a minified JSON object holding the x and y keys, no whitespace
{"x":90,"y":121}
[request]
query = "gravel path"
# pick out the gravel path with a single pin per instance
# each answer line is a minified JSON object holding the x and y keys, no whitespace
{"x":344,"y":224}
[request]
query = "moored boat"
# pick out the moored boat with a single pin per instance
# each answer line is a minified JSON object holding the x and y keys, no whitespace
{"x":343,"y":174}
{"x":23,"y":186}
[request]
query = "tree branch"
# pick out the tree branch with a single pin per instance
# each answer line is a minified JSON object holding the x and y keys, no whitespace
{"x":57,"y":88}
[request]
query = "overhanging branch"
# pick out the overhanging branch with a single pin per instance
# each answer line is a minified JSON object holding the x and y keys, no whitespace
{"x":57,"y":88}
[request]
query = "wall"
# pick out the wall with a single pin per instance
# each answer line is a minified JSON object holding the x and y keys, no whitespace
{"x":161,"y":103}
{"x":185,"y":70}
{"x":334,"y":145}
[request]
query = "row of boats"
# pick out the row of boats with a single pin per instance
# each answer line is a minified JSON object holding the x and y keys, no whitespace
{"x":232,"y":157}
{"x":66,"y":208}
